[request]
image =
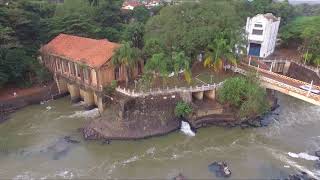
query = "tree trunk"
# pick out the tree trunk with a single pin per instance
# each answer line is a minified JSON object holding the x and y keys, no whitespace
{"x":126,"y":75}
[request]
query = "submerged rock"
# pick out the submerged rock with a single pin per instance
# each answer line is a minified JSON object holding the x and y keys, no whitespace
{"x":106,"y":141}
{"x":59,"y":149}
{"x":70,"y":140}
{"x":317,"y":153}
{"x":180,"y":177}
{"x":317,"y":164}
{"x":220,"y":169}
{"x":301,"y":176}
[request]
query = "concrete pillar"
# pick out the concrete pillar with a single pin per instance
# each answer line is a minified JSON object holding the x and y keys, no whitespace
{"x":62,"y":85}
{"x":198,"y":95}
{"x":211,"y":94}
{"x":186,"y":96}
{"x":88,"y":98}
{"x":74,"y":91}
{"x":286,"y":67}
{"x":99,"y":102}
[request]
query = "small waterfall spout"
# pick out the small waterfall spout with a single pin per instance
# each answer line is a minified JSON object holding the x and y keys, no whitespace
{"x":186,"y":128}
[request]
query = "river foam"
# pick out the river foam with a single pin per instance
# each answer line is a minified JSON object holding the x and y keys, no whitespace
{"x":303,"y":155}
{"x":85,"y":114}
{"x":186,"y":129}
{"x":294,"y":164}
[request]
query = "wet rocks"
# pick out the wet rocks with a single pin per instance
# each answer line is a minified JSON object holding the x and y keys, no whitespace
{"x":68,"y":139}
{"x":220,"y":169}
{"x":180,"y":177}
{"x":300,"y":176}
{"x":317,"y":153}
{"x":317,"y":164}
{"x":106,"y":141}
{"x":90,"y":134}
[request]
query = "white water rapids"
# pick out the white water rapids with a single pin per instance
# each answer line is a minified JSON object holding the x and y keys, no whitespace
{"x":186,"y":129}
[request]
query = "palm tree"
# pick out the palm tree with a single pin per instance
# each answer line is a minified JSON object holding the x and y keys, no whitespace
{"x":126,"y":56}
{"x":219,"y":51}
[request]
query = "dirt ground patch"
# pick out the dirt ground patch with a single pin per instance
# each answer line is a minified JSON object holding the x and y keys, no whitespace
{"x":7,"y":93}
{"x":286,"y":53}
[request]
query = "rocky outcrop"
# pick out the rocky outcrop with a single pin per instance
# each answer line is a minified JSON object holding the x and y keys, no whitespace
{"x":317,"y":153}
{"x":300,"y":176}
{"x":180,"y":177}
{"x":136,"y":118}
{"x":90,"y":133}
{"x":220,"y":169}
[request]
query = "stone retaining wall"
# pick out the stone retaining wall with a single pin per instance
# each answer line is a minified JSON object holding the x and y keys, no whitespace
{"x":303,"y":74}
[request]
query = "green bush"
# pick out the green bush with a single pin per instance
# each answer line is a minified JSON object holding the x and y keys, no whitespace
{"x":109,"y":89}
{"x":182,"y":109}
{"x":245,"y":94}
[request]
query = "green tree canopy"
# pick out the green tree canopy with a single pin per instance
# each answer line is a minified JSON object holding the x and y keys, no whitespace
{"x":126,"y":56}
{"x":304,"y":31}
{"x":246,"y":94}
{"x":190,"y":27}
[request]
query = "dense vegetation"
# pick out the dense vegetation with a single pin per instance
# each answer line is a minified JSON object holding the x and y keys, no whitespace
{"x":304,"y":31}
{"x":245,"y":94}
{"x":169,"y":41}
{"x":182,"y":109}
{"x":27,"y":24}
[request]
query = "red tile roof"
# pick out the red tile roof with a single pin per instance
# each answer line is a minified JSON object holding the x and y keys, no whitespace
{"x":91,"y":52}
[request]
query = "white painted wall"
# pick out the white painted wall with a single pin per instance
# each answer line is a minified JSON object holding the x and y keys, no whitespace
{"x":268,"y":38}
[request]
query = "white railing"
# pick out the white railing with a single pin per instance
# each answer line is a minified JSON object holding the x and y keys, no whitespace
{"x":281,"y":84}
{"x":159,"y":91}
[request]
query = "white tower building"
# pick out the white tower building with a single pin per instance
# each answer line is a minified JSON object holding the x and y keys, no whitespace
{"x":262,"y":31}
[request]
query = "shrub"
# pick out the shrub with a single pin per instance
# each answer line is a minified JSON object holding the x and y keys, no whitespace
{"x":182,"y":109}
{"x":109,"y":89}
{"x":245,"y":94}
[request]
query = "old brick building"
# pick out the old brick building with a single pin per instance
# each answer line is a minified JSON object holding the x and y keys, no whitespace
{"x":82,"y":67}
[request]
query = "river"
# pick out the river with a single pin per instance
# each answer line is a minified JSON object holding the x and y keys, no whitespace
{"x":32,"y":147}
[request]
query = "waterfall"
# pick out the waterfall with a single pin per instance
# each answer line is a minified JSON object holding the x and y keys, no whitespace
{"x":186,"y":128}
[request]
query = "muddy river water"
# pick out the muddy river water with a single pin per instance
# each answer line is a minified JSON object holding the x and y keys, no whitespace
{"x":32,"y":146}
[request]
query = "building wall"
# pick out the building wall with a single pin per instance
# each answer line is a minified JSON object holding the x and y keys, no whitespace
{"x":269,"y":36}
{"x":97,"y":78}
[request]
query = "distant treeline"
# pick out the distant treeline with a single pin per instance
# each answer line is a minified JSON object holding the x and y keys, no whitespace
{"x":166,"y":30}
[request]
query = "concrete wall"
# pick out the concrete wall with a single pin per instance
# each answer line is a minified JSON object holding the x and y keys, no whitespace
{"x":303,"y":74}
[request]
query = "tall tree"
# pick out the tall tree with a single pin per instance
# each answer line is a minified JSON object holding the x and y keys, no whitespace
{"x":220,"y":51}
{"x":191,"y":26}
{"x":127,"y":57}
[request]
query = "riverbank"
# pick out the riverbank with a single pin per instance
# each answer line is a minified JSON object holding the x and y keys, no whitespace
{"x":12,"y":99}
{"x":139,"y":118}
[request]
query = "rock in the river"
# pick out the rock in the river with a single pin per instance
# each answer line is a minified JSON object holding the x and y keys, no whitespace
{"x":70,"y":140}
{"x":220,"y":169}
{"x":180,"y":177}
{"x":301,"y":176}
{"x":106,"y":141}
{"x":255,"y":122}
{"x":317,"y":153}
{"x":317,"y":164}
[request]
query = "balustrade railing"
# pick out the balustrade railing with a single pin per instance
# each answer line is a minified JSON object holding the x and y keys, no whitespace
{"x":159,"y":91}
